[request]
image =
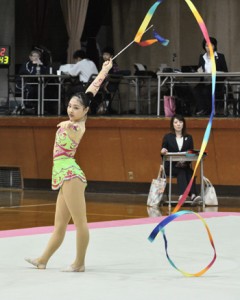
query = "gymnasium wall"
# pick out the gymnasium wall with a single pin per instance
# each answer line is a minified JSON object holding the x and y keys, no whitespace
{"x":117,"y":149}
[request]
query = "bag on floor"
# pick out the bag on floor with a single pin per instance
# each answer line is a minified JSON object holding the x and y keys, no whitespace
{"x":154,"y":211}
{"x":169,"y":106}
{"x":210,"y":196}
{"x":157,"y":188}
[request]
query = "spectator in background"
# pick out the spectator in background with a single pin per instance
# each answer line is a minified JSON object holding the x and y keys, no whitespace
{"x":203,"y":91}
{"x":178,"y":140}
{"x":108,"y":53}
{"x":33,"y":66}
{"x":82,"y":67}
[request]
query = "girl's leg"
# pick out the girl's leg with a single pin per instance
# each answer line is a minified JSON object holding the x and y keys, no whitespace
{"x":73,"y":192}
{"x":62,"y":218}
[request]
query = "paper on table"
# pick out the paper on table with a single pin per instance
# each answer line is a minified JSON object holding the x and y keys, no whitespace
{"x":176,"y":153}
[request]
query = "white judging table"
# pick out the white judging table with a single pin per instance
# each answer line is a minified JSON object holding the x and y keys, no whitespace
{"x":42,"y":81}
{"x":183,"y":156}
{"x":232,"y":78}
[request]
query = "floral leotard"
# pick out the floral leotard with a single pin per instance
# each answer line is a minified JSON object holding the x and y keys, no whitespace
{"x":64,"y":164}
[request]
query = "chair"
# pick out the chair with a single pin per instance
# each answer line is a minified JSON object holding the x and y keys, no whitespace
{"x":226,"y":97}
{"x":90,"y":80}
{"x":111,"y":89}
{"x":140,"y":67}
{"x":234,"y":108}
{"x":20,"y":96}
{"x":230,"y":98}
{"x":15,"y":93}
{"x":30,"y":86}
{"x":141,"y":70}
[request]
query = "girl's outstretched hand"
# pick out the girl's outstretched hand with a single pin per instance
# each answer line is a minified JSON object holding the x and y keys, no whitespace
{"x":65,"y":124}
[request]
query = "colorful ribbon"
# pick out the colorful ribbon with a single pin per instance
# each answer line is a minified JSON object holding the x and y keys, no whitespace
{"x":209,"y":125}
{"x":175,"y":214}
{"x":144,"y":25}
{"x":165,"y":222}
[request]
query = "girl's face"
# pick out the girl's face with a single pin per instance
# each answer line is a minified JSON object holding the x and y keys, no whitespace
{"x":76,"y":111}
{"x":177,"y":125}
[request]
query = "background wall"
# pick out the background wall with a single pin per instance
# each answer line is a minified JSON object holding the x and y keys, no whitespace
{"x":119,"y":149}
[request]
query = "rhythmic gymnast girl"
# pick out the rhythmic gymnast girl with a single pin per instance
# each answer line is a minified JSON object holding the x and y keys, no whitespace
{"x":68,"y":177}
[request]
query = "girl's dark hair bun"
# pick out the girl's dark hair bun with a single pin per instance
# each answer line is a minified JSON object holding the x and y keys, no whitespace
{"x":85,"y":99}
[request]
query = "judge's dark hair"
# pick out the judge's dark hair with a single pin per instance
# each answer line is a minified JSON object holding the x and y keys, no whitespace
{"x":79,"y":54}
{"x":213,"y":42}
{"x":84,"y":98}
{"x":109,"y":50}
{"x":179,"y":118}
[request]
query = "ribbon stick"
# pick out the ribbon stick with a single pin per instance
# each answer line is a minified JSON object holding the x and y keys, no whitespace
{"x":176,"y":213}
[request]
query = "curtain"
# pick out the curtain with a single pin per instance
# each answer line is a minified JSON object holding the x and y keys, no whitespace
{"x":38,"y":12}
{"x":74,"y":13}
{"x":100,"y":12}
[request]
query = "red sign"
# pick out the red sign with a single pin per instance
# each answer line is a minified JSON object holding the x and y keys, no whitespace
{"x":4,"y":55}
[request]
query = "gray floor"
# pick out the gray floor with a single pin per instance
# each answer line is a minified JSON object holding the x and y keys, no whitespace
{"x":122,"y":264}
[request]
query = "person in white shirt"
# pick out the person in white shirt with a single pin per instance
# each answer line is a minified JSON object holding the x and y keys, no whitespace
{"x":83,"y":67}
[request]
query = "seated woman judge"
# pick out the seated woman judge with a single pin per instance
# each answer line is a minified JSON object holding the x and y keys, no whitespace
{"x":178,"y":140}
{"x":203,"y":91}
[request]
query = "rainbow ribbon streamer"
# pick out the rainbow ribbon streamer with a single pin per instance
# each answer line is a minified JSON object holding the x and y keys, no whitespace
{"x":165,"y":222}
{"x":209,"y":125}
{"x":144,"y":25}
{"x":176,"y":213}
